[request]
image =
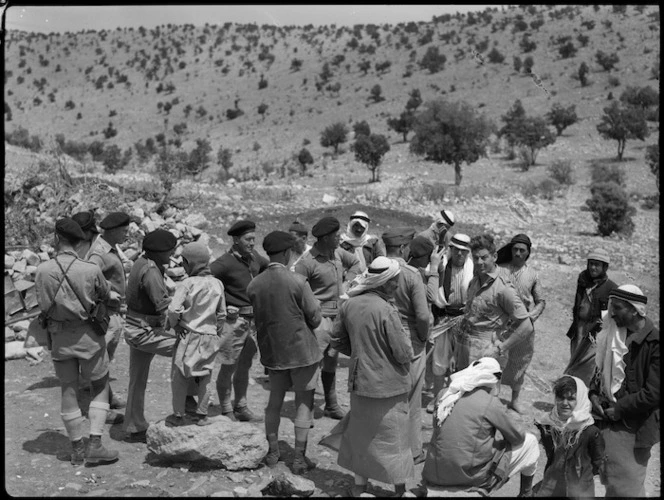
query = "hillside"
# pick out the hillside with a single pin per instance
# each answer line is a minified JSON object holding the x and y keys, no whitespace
{"x":76,"y":84}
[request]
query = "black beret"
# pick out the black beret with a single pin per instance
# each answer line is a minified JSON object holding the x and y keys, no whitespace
{"x":241,"y":227}
{"x":298,"y":227}
{"x":159,"y":240}
{"x":325,"y":226}
{"x":70,"y":229}
{"x":278,"y":241}
{"x":399,"y":236}
{"x":86,"y":221}
{"x":421,"y":247}
{"x":115,"y":219}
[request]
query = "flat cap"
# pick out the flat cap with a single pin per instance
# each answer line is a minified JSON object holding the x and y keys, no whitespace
{"x":241,"y":227}
{"x":159,"y":240}
{"x":599,"y":254}
{"x":298,"y":227}
{"x":86,"y":220}
{"x":278,"y":241}
{"x":325,"y":226}
{"x":70,"y":229}
{"x":421,"y":246}
{"x":115,"y":219}
{"x":399,"y":236}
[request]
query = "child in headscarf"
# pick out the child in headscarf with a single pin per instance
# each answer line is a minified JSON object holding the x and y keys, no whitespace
{"x":574,"y":446}
{"x":197,"y":313}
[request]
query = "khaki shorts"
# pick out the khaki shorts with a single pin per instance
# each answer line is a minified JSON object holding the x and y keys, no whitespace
{"x":234,"y":336}
{"x":95,"y":368}
{"x":323,"y":333}
{"x":304,"y":378}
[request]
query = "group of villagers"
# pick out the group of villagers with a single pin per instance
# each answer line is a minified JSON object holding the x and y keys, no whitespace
{"x":434,"y":310}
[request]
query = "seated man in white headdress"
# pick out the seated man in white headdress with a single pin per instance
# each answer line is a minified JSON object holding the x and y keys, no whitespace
{"x":464,"y":451}
{"x":625,"y":391}
{"x":357,"y":240}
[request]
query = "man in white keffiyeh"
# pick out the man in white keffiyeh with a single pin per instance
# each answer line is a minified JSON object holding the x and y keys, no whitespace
{"x":464,"y":451}
{"x":625,"y":390}
{"x":358,"y":241}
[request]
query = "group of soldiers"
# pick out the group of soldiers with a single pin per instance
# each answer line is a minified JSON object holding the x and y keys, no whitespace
{"x":298,"y":309}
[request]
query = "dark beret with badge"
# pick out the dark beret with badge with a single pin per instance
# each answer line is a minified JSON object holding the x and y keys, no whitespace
{"x":86,"y":221}
{"x":325,"y":226}
{"x":115,"y":219}
{"x":159,"y":240}
{"x":278,"y":241}
{"x":69,"y":229}
{"x":421,"y":246}
{"x":399,"y":236}
{"x":241,"y":227}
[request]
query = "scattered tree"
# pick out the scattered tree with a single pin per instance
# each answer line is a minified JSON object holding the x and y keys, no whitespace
{"x":567,"y":50}
{"x":606,"y":61}
{"x":495,"y":56}
{"x":534,"y":136}
{"x":199,"y":157}
{"x":262,"y":108}
{"x":414,"y":101}
{"x":304,"y":158}
{"x":361,"y":128}
{"x":652,"y":159}
{"x":643,"y":97}
{"x":450,"y":133}
{"x":620,"y":123}
{"x":403,"y":124}
{"x":376,"y":93}
{"x":370,"y":151}
{"x":561,"y":118}
{"x":610,"y":208}
{"x":334,"y":135}
{"x":433,"y":60}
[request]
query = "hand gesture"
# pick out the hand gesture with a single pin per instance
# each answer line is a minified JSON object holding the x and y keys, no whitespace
{"x":435,"y":259}
{"x":597,"y":407}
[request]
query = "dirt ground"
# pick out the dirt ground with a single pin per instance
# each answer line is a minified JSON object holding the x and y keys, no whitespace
{"x":36,"y":445}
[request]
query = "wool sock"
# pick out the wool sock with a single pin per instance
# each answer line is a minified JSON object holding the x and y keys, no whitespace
{"x":97,"y":415}
{"x":74,"y":424}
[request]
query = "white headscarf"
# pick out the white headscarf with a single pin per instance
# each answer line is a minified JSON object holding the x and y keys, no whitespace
{"x":566,"y":432}
{"x":611,"y":346}
{"x":357,"y":242}
{"x":485,"y":372}
{"x":379,"y":272}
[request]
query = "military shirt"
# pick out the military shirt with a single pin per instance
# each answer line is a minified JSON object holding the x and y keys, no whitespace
{"x":108,"y":260}
{"x":235,"y":272}
{"x":490,"y":306}
{"x":326,"y":276}
{"x":146,"y":289}
{"x":86,"y":277}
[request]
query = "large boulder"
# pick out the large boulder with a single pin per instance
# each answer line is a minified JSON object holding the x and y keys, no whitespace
{"x":224,"y":443}
{"x":196,"y":220}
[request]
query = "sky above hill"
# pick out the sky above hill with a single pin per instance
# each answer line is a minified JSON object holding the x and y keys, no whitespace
{"x":76,"y":18}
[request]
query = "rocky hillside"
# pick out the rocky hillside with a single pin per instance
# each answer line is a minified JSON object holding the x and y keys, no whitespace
{"x":121,"y":86}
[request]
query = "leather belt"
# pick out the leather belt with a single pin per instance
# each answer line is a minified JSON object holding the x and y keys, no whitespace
{"x":330,"y":304}
{"x":246,"y":311}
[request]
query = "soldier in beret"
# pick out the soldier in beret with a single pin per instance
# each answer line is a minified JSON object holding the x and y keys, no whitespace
{"x":411,"y":301}
{"x":300,"y":232}
{"x":326,"y":267}
{"x":357,"y":240}
{"x":287,"y":312}
{"x":145,"y":331}
{"x":88,"y":225}
{"x":235,"y":269}
{"x":104,"y":253}
{"x":76,"y":348}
